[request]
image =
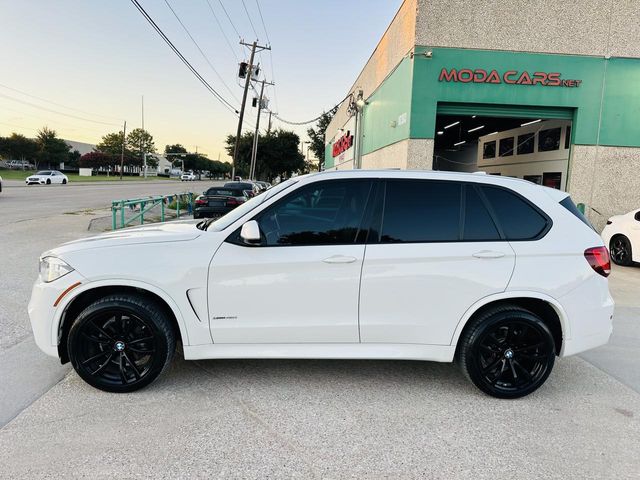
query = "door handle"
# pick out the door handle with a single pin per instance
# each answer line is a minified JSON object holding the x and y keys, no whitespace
{"x":488,"y":254}
{"x":339,"y":259}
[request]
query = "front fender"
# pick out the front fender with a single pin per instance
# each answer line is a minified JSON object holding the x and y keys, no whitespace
{"x":117,"y":282}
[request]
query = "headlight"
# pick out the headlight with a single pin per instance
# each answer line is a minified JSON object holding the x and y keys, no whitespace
{"x":52,"y":268}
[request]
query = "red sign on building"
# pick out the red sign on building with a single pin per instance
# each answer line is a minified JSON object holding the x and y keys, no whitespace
{"x":343,"y":144}
{"x":514,"y":77}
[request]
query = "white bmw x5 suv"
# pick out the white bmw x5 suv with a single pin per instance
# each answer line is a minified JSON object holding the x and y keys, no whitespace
{"x":498,"y":274}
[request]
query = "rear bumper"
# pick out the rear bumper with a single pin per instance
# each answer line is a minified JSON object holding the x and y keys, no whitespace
{"x":590,"y":312}
{"x":209,"y":211}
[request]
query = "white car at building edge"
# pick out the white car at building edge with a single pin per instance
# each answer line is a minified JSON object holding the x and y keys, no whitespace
{"x":622,"y":236}
{"x":499,"y":274}
{"x":47,"y":177}
{"x":188,"y":177}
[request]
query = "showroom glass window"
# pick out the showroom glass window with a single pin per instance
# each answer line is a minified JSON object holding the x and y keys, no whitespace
{"x":489,"y":150}
{"x":323,"y":213}
{"x":526,"y":143}
{"x":549,"y":139}
{"x":421,"y":211}
{"x":506,"y":147}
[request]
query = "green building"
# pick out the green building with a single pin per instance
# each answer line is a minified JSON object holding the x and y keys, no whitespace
{"x":547,"y":91}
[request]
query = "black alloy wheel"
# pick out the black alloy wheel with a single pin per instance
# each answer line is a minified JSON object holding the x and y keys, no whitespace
{"x":121,"y":343}
{"x":64,"y":181}
{"x":48,"y":181}
{"x":507,"y":352}
{"x":620,"y":249}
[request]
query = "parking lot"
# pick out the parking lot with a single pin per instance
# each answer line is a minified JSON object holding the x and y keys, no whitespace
{"x":297,"y":419}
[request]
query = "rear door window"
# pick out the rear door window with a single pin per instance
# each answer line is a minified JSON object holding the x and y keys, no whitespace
{"x":477,"y":222}
{"x":518,"y":218}
{"x":421,"y":211}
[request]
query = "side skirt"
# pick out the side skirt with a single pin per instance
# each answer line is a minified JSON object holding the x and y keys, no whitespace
{"x":373,"y":351}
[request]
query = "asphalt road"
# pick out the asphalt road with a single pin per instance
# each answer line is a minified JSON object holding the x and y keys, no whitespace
{"x":295,"y":419}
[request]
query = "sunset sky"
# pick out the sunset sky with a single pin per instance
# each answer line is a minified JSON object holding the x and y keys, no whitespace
{"x":89,"y":62}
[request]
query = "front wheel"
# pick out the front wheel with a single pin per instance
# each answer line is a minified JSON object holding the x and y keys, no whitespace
{"x":508,"y":352}
{"x":620,"y":249}
{"x":121,"y":343}
{"x":64,"y":181}
{"x":48,"y":181}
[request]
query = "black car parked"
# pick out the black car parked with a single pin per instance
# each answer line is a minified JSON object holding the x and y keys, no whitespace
{"x":218,"y":201}
{"x":250,"y":188}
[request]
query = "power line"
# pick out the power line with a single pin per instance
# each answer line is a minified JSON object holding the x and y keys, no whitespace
{"x":312,"y":120}
{"x":229,"y":18}
{"x":244,"y":5}
{"x":56,"y":104}
{"x":219,"y":97}
{"x":222,"y":30}
{"x":55,"y":111}
{"x":262,"y":20}
{"x":200,"y":50}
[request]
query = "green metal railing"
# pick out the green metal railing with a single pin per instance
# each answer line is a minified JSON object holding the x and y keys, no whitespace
{"x":145,"y":205}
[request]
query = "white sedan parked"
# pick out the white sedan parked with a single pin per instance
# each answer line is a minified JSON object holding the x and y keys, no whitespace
{"x":622,"y":236}
{"x":47,"y":177}
{"x":188,"y":177}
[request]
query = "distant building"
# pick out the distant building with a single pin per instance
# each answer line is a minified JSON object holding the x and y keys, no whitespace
{"x":80,"y":146}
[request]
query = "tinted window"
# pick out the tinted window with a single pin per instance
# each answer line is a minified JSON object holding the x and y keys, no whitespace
{"x":478,"y":224}
{"x":537,"y":179}
{"x":549,"y":140}
{"x":567,"y":137}
{"x":526,"y":143}
{"x":489,"y":150}
{"x":552,"y":179}
{"x":519,"y":220}
{"x":225,"y":191}
{"x":323,"y":213}
{"x":569,"y":205}
{"x":506,"y":147}
{"x":421,"y":211}
{"x":43,"y":172}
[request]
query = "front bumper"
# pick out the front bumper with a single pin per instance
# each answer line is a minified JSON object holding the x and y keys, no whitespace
{"x":44,"y":317}
{"x":35,"y":182}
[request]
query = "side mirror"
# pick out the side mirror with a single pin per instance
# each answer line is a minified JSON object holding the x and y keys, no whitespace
{"x":250,"y":233}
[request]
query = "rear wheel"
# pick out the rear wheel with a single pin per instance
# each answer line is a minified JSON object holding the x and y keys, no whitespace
{"x":620,"y":249}
{"x":507,"y":352}
{"x":121,"y":343}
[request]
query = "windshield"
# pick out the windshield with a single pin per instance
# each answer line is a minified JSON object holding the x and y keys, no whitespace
{"x":43,"y":172}
{"x":235,"y":214}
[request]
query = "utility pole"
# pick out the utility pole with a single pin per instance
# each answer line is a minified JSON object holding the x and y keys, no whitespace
{"x":124,"y":139}
{"x":256,"y":135}
{"x":142,"y":152}
{"x":254,"y":48}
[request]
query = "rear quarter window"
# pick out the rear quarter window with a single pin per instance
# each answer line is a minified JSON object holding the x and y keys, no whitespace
{"x":518,"y":218}
{"x":569,"y":205}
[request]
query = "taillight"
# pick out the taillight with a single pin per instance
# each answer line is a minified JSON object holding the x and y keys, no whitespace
{"x":232,"y":201}
{"x":201,"y":201}
{"x":598,"y":258}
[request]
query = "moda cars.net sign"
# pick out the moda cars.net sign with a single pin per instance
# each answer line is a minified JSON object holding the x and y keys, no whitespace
{"x":514,"y":77}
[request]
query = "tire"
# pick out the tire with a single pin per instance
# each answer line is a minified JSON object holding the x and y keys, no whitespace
{"x":121,"y":343}
{"x":507,"y":352}
{"x":620,"y":250}
{"x":48,"y":182}
{"x":64,"y":181}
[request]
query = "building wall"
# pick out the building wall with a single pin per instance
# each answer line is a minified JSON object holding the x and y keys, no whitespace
{"x":580,"y":27}
{"x":396,"y":43}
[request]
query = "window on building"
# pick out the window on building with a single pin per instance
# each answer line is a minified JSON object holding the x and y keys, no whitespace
{"x":549,"y":139}
{"x":506,"y":147}
{"x":526,"y":143}
{"x":552,"y":179}
{"x":537,"y":179}
{"x":517,"y":217}
{"x":324,"y":213}
{"x":478,"y":224}
{"x":489,"y":150}
{"x":567,"y":138}
{"x":421,"y":211}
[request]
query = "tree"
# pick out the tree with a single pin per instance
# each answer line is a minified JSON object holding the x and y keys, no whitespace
{"x":51,"y":149}
{"x":112,"y":144}
{"x":18,"y":147}
{"x":100,"y":160}
{"x":140,"y":141}
{"x":316,"y":135}
{"x":74,"y":160}
{"x":277,"y":155}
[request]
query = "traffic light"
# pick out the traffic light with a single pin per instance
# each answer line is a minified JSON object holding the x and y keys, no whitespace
{"x":242,"y":72}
